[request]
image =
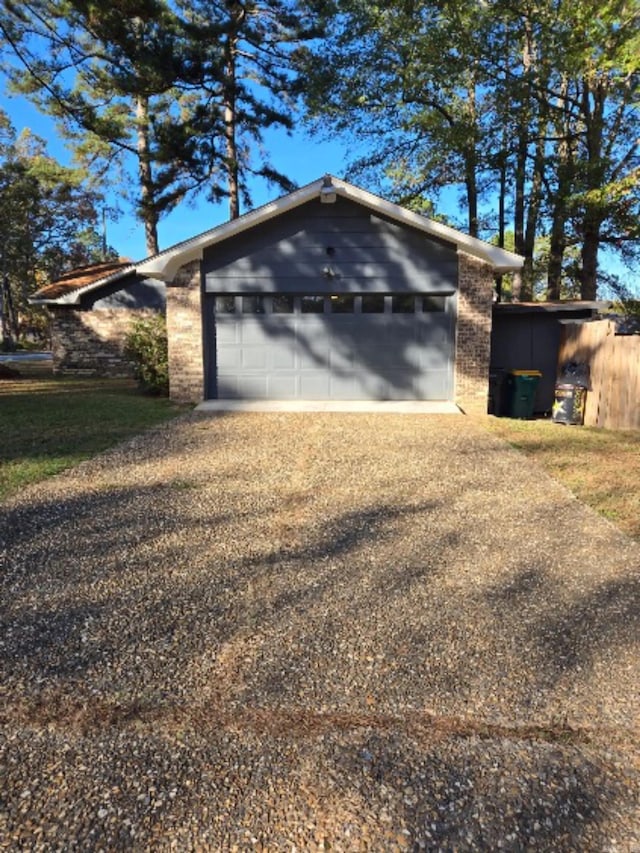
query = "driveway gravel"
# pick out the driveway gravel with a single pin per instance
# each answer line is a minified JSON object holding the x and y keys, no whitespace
{"x":316,"y":631}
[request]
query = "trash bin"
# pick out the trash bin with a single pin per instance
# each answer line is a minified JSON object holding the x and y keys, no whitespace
{"x":521,"y":392}
{"x":497,"y":396}
{"x":568,"y":407}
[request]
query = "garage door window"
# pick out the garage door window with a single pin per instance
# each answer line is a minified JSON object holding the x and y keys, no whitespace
{"x":225,"y":304}
{"x":312,"y":304}
{"x":342,"y":304}
{"x":253,"y":304}
{"x":433,"y":303}
{"x":373,"y":303}
{"x":403,"y":304}
{"x":282,"y":304}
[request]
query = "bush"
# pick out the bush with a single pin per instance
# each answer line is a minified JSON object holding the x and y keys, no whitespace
{"x":146,"y":346}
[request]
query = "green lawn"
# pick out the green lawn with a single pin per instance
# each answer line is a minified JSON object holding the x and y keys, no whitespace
{"x":48,"y":424}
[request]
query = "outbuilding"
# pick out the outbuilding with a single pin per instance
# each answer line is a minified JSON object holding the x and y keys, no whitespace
{"x":329,"y":292}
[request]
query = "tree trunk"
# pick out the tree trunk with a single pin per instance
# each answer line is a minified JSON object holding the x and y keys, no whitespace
{"x":557,"y":245}
{"x":533,"y":210}
{"x":238,"y":13}
{"x":522,"y":154}
{"x":589,"y":258}
{"x":147,"y":196}
{"x":593,"y":105}
{"x":502,"y":208}
{"x":231,"y":145}
{"x":471,"y":163}
{"x":564,"y":181}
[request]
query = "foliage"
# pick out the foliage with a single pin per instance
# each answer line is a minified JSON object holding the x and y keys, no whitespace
{"x":146,"y":345}
{"x":535,"y":103}
{"x":626,"y":299}
{"x":51,"y":228}
{"x":182,"y":90}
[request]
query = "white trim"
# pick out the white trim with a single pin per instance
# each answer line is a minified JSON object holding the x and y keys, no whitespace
{"x":165,"y":265}
{"x":397,"y":407}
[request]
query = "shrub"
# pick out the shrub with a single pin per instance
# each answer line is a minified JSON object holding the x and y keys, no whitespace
{"x":146,"y":346}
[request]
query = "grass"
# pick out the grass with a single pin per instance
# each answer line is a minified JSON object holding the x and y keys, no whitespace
{"x":601,"y":467}
{"x":49,"y":424}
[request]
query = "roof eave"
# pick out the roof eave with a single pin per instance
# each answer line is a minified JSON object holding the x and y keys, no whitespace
{"x":73,"y":296}
{"x":165,"y":265}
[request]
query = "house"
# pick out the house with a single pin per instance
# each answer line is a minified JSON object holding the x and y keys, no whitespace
{"x":91,"y":310}
{"x":329,"y":292}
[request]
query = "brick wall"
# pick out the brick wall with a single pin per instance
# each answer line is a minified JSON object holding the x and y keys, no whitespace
{"x":473,"y":334}
{"x":184,"y":327}
{"x":92,"y":342}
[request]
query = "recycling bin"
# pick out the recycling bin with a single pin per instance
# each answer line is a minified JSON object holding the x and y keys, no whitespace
{"x":521,"y":392}
{"x":568,"y":406}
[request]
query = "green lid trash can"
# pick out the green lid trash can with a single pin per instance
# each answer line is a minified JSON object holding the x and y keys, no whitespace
{"x":521,"y":392}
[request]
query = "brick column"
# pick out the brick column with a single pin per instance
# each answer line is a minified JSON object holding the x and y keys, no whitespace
{"x":473,"y":334}
{"x":184,"y":330}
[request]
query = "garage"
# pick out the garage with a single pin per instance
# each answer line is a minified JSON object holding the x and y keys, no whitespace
{"x":368,"y":346}
{"x":327,"y":293}
{"x":330,"y":301}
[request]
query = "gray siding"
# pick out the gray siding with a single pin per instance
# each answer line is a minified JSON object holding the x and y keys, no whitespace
{"x":131,"y":293}
{"x":329,"y":248}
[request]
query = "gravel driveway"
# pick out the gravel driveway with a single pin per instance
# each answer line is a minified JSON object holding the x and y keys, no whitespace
{"x":316,"y":631}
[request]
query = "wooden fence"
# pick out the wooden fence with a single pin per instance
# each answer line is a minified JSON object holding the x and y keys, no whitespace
{"x":613,"y":398}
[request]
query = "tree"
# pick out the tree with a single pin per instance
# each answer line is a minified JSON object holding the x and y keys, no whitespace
{"x":401,"y":79}
{"x":531,"y":105}
{"x":52,"y":227}
{"x":108,"y":75}
{"x":251,"y":83}
{"x":185,"y":89}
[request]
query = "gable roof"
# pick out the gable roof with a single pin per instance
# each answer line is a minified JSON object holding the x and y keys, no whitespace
{"x":165,"y":264}
{"x":70,"y":286}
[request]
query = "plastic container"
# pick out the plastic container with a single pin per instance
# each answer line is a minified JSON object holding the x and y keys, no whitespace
{"x":521,"y":392}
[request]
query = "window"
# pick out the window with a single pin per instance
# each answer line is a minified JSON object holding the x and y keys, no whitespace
{"x":373,"y":303}
{"x":433,"y":303}
{"x":403,"y":303}
{"x":312,"y":304}
{"x":342,"y":304}
{"x":225,"y":304}
{"x":253,"y":304}
{"x":282,"y":303}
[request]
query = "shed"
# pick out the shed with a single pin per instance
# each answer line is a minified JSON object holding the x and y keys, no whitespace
{"x":526,"y":336}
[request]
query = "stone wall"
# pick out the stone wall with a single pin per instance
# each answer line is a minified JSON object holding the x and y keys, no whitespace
{"x":184,"y":327}
{"x":473,"y":334}
{"x":92,"y":342}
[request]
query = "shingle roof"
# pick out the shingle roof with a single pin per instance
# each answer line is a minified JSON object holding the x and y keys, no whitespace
{"x":80,"y":278}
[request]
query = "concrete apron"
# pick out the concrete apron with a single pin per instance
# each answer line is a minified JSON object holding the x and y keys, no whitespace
{"x":407,"y":407}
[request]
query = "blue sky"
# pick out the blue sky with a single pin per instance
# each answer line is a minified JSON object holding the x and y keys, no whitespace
{"x":300,"y":157}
